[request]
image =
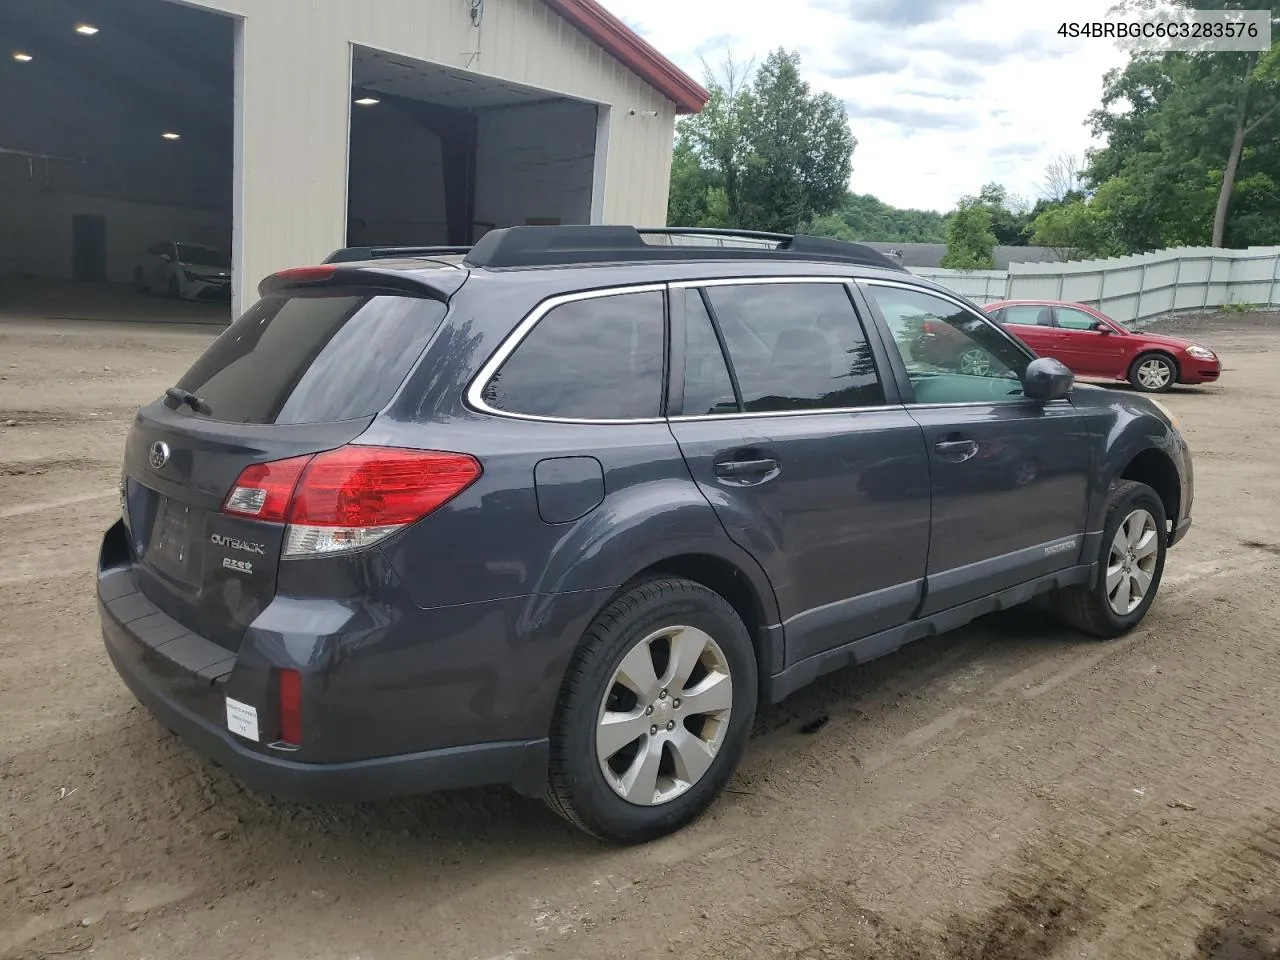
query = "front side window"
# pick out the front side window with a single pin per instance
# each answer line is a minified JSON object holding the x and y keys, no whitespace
{"x":796,"y":346}
{"x":594,"y":359}
{"x":1072,"y":319}
{"x":952,"y":354}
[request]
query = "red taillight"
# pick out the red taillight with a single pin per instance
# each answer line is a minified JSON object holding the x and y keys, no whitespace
{"x":263,"y":490}
{"x":306,"y":274}
{"x":378,"y":486}
{"x":291,"y":707}
{"x":349,"y":497}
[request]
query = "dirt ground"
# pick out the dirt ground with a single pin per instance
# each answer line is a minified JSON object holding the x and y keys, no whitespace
{"x":1007,"y":791}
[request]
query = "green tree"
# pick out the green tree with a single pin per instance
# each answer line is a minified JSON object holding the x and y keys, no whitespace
{"x":860,"y":216}
{"x":1192,"y":151}
{"x":970,"y":238}
{"x":1012,"y":227}
{"x":1074,"y":230}
{"x":778,"y":154}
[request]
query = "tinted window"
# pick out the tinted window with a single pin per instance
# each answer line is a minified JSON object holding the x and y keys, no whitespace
{"x":1027,"y":315}
{"x":952,"y":355}
{"x":313,"y":358}
{"x":1070,"y":319}
{"x":707,"y":387}
{"x":796,"y":346}
{"x":596,"y":359}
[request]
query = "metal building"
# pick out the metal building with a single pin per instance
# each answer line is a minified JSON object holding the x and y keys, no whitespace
{"x":282,"y":129}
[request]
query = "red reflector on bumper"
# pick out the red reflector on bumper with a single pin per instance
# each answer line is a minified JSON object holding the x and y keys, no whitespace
{"x":291,"y":707}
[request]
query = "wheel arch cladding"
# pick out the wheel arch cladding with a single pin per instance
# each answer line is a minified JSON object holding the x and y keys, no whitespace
{"x":1155,"y":468}
{"x":739,"y":590}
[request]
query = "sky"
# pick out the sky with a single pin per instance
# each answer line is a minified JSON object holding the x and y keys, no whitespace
{"x":942,"y":95}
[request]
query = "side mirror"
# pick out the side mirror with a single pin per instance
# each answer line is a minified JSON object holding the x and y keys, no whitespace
{"x":1047,"y":379}
{"x":1100,"y":327}
{"x":166,"y":258}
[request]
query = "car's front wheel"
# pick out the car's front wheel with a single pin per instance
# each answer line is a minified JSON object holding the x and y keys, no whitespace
{"x":654,"y":712}
{"x":1130,"y":565}
{"x":1153,"y":373}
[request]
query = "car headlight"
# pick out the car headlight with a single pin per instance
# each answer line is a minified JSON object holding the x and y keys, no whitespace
{"x":1200,"y":353}
{"x":1169,"y":414}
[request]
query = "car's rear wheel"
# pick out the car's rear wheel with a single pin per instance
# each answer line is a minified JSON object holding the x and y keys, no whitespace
{"x":975,"y":362}
{"x":1130,"y":565}
{"x":654,"y":712}
{"x":139,"y":281}
{"x":1153,"y":373}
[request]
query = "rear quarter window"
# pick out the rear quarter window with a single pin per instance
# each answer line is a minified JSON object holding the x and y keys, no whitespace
{"x":599,"y":358}
{"x":313,"y":357}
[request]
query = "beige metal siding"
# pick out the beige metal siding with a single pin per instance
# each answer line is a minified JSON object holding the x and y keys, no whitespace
{"x":292,"y":131}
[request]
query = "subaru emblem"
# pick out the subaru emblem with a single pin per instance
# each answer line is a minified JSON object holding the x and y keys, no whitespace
{"x":159,"y":455}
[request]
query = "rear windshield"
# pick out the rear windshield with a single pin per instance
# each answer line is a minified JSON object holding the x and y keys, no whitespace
{"x":313,"y":358}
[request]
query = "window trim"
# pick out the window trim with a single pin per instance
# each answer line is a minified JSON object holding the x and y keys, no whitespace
{"x":952,"y":298}
{"x":475,"y":389}
{"x":888,"y":384}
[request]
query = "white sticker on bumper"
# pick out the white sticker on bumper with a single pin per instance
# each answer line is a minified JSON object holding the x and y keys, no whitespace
{"x":242,"y":719}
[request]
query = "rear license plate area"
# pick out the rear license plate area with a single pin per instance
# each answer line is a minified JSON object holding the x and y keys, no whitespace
{"x":173,"y":546}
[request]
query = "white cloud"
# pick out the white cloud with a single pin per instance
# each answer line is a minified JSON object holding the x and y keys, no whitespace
{"x":943,"y":95}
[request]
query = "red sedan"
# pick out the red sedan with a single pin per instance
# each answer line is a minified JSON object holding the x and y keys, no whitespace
{"x":1094,"y":345}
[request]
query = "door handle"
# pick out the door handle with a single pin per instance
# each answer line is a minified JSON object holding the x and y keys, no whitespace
{"x":744,"y":468}
{"x":957,"y":451}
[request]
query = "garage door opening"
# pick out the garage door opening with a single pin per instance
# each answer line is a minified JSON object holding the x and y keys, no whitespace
{"x":116,"y":159}
{"x":441,"y":156}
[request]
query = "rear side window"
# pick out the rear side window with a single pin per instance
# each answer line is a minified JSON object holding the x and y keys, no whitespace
{"x":1027,"y":315}
{"x":707,"y":387}
{"x":313,"y":358}
{"x":796,"y":346}
{"x":594,"y":359}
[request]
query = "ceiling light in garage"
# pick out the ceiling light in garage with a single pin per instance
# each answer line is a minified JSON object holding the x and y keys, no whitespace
{"x":87,"y":29}
{"x":368,"y":101}
{"x":22,"y":57}
{"x":170,"y":135}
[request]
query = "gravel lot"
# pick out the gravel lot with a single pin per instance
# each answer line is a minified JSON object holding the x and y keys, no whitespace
{"x":1007,"y":791}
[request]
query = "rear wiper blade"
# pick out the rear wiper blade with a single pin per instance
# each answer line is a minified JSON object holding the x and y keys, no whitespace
{"x":187,"y":397}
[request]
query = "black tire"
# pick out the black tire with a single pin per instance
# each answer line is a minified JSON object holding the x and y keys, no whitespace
{"x":139,"y":282}
{"x":577,"y":789}
{"x":174,"y":290}
{"x":1170,"y":364}
{"x":1087,"y":607}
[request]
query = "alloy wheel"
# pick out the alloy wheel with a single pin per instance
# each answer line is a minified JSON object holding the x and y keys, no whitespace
{"x":1131,"y":563}
{"x":1154,"y":374}
{"x":975,"y":362}
{"x":664,"y":715}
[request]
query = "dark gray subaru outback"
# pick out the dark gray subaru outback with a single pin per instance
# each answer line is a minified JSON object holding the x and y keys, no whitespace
{"x":561,"y":510}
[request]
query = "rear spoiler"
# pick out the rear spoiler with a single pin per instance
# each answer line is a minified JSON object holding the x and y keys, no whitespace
{"x":444,"y":283}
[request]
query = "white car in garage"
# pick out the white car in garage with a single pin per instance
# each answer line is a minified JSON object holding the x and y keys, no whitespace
{"x":190,"y":271}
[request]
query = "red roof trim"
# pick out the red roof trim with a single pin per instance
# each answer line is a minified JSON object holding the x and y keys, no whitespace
{"x":634,"y":52}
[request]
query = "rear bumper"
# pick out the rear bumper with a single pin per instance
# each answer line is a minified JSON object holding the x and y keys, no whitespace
{"x":183,"y":680}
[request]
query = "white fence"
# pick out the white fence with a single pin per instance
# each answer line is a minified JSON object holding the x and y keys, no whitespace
{"x":1138,"y":287}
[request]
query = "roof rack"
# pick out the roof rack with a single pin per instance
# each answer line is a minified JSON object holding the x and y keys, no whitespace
{"x":351,"y":254}
{"x":563,"y":246}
